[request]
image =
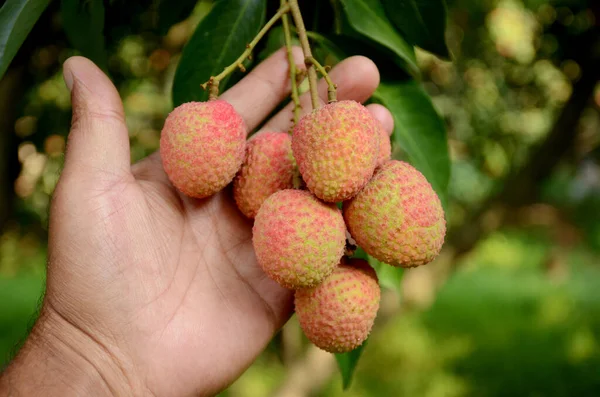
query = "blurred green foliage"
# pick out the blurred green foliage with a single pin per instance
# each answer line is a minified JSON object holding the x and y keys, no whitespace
{"x":499,"y":326}
{"x":514,"y":312}
{"x":19,"y":300}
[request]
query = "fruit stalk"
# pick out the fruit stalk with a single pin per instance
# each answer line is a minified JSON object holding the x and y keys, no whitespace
{"x":293,"y":74}
{"x":312,"y":72}
{"x":331,"y":88}
{"x":213,"y":82}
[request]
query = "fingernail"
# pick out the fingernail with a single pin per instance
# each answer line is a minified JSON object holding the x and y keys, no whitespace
{"x":68,"y":77}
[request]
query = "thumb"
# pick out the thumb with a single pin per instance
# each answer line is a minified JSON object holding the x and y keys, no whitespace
{"x":98,"y":143}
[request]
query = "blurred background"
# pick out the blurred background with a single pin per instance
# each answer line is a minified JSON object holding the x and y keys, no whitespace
{"x":512,"y":305}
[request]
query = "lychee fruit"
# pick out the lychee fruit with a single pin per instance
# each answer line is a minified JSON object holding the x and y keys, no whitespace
{"x":336,"y":148}
{"x":298,"y":239}
{"x":397,"y":218}
{"x":338,"y":314}
{"x":202,"y":146}
{"x":267,"y":168}
{"x":385,"y":145}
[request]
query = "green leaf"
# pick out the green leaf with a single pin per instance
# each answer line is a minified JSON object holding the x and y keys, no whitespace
{"x":83,"y":21}
{"x":360,"y":254}
{"x":347,"y":364}
{"x":171,"y":12}
{"x":334,"y":48}
{"x":273,"y":42}
{"x":217,"y":42}
{"x":390,"y":277}
{"x":368,"y":18}
{"x":275,"y":346}
{"x":423,"y":22}
{"x":328,"y":45}
{"x":17,"y":18}
{"x":20,"y":298}
{"x":419,"y":131}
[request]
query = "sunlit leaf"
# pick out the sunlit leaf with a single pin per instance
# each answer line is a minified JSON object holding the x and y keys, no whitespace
{"x":17,"y":18}
{"x":418,"y":130}
{"x":423,"y":22}
{"x":368,"y":18}
{"x":218,"y":41}
{"x":83,"y":21}
{"x":390,"y":277}
{"x":347,"y":364}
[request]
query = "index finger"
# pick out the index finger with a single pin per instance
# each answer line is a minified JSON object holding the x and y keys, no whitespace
{"x":257,"y":94}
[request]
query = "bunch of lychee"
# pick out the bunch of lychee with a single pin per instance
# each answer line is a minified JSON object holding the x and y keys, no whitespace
{"x":290,"y":186}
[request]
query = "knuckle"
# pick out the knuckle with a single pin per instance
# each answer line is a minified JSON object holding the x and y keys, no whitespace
{"x":84,"y":117}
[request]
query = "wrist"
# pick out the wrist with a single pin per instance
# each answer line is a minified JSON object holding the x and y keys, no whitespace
{"x":59,"y":358}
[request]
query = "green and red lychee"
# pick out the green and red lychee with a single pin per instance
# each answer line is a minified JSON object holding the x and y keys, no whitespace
{"x":336,"y":148}
{"x":298,"y":240}
{"x":397,"y":218}
{"x":202,"y":146}
{"x":268,"y":167}
{"x":338,"y":314}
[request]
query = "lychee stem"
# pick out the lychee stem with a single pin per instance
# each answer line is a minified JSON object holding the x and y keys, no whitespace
{"x":293,"y":73}
{"x":297,"y":179}
{"x":331,"y":88}
{"x":301,"y":30}
{"x":214,"y":81}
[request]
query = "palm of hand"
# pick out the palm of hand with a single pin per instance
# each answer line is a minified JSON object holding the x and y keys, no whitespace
{"x":183,"y":276}
{"x":168,"y":285}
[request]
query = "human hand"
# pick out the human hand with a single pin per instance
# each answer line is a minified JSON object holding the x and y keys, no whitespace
{"x":153,"y":292}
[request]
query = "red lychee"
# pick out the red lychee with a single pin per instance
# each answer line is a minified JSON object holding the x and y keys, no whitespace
{"x":268,"y":167}
{"x":297,"y":238}
{"x":397,"y":218}
{"x":338,"y":314}
{"x":202,"y":146}
{"x":336,"y":148}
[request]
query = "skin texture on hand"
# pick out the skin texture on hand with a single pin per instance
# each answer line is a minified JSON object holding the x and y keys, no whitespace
{"x":150,"y":292}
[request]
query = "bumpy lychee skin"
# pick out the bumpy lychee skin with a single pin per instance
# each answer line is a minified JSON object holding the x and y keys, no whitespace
{"x":397,"y":218}
{"x":385,"y":146}
{"x":298,"y":239}
{"x":338,"y":314}
{"x":202,"y":146}
{"x":268,"y":167}
{"x":336,"y":148}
